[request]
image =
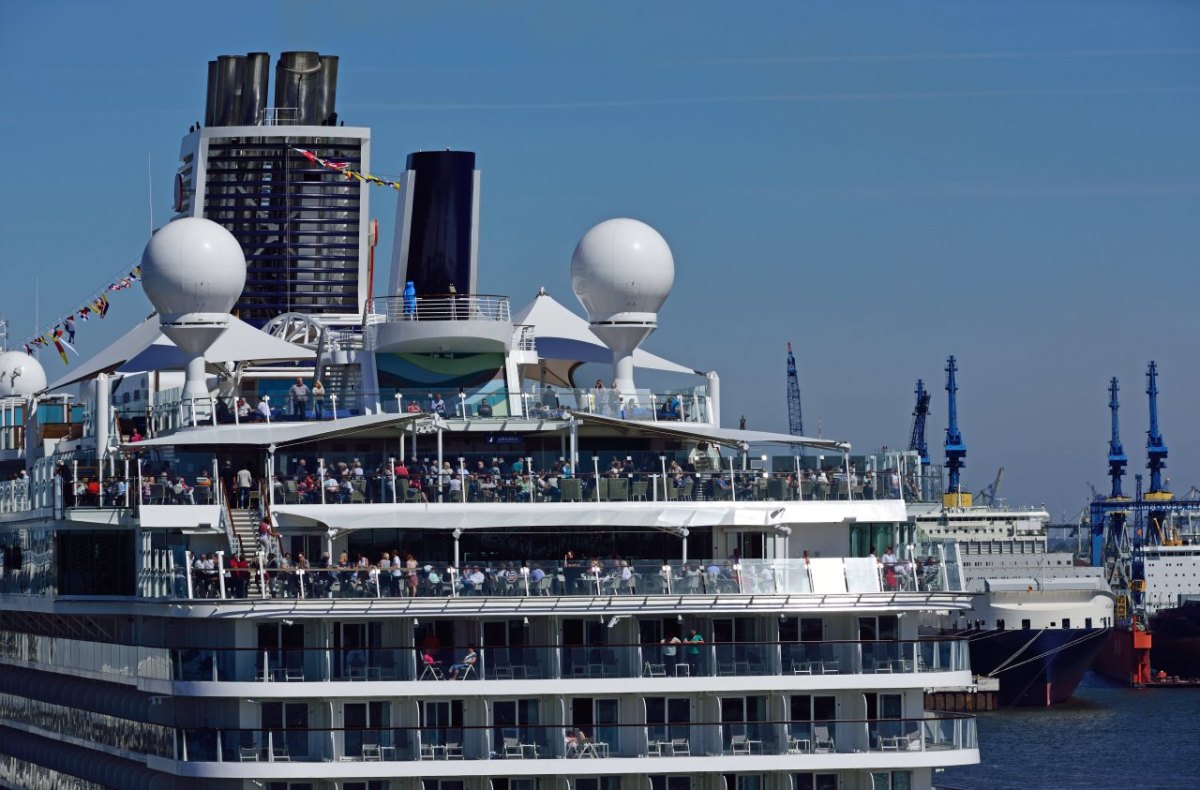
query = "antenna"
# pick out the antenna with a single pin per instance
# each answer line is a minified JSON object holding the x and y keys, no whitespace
{"x":150,"y":188}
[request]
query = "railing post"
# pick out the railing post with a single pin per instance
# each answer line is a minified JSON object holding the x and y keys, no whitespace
{"x":262,"y":576}
{"x":221,"y":573}
{"x":267,"y":398}
{"x":333,"y":402}
{"x":187,"y":556}
{"x":300,"y":578}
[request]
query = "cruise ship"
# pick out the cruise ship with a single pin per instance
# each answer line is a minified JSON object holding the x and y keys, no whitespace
{"x":451,"y":565}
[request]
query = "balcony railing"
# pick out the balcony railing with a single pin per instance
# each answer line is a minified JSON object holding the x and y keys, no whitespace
{"x":817,"y":575}
{"x":511,"y":741}
{"x":438,"y":307}
{"x":545,"y":662}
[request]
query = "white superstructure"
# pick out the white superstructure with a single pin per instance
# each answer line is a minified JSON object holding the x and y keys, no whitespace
{"x":469,"y":576}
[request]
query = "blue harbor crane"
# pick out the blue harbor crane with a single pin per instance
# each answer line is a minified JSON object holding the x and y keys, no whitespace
{"x":1117,"y":459}
{"x":795,"y":418}
{"x":1156,"y":448}
{"x":916,"y":441}
{"x":956,"y":451}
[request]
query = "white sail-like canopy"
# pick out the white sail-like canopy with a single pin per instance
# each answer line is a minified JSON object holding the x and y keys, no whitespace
{"x":565,"y":341}
{"x":145,"y":348}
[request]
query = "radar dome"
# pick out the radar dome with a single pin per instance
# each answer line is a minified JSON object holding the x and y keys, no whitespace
{"x":622,"y":271}
{"x":21,"y":376}
{"x":193,"y":265}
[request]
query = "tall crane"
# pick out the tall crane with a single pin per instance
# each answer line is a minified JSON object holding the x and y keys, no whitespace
{"x":916,"y":441}
{"x":1117,"y":459}
{"x":955,"y":449}
{"x":795,"y":418}
{"x":1156,"y":448}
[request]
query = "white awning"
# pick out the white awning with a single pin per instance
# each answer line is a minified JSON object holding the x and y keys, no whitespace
{"x":280,"y":434}
{"x":145,"y":348}
{"x":566,"y":338}
{"x":728,"y":437}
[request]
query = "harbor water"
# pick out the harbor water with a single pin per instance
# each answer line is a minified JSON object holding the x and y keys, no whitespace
{"x":1106,"y":736}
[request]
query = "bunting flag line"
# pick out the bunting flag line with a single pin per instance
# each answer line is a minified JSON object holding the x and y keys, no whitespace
{"x":344,"y":169}
{"x":61,"y":336}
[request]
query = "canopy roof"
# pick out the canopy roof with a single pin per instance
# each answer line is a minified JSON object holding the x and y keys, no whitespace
{"x":728,"y":437}
{"x":280,"y":434}
{"x":566,"y":341}
{"x":145,"y":347}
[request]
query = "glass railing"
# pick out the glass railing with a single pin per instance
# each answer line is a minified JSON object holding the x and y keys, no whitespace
{"x":467,"y":484}
{"x":504,"y":741}
{"x":819,"y":575}
{"x":538,"y":662}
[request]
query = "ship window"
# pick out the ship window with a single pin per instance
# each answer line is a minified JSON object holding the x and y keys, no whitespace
{"x":597,"y":719}
{"x":670,"y":783}
{"x":1066,"y":622}
{"x":815,"y":781}
{"x":1025,"y":624}
{"x":589,"y":783}
{"x":1087,"y":622}
{"x":743,"y":781}
{"x":894,"y":780}
{"x":999,"y":625}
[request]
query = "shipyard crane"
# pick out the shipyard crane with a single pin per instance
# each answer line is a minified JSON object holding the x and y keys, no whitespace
{"x":1117,"y":459}
{"x":1156,"y":448}
{"x":955,"y":449}
{"x":795,"y":417}
{"x":988,"y":495}
{"x":916,"y":441}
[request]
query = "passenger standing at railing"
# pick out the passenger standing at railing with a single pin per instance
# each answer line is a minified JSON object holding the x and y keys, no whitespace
{"x":318,"y":394}
{"x":437,"y":405}
{"x":693,"y":651}
{"x":670,"y":653}
{"x":299,"y":396}
{"x":385,"y":575}
{"x":411,"y":583}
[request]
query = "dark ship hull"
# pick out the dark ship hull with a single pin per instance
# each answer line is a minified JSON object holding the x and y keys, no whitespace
{"x":1176,"y":635}
{"x":1035,"y":668}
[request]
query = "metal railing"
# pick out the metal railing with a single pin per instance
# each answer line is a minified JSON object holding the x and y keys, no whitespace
{"x":438,"y":307}
{"x":667,"y":659}
{"x":503,"y":740}
{"x":817,"y":575}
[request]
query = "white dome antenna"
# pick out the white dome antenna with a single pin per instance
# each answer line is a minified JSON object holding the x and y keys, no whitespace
{"x":622,"y":272}
{"x":21,"y":376}
{"x":193,"y":271}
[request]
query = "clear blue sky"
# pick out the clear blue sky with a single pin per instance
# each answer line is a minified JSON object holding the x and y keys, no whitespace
{"x":883,"y":184}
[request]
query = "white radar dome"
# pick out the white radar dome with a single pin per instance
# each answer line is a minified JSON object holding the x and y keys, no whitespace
{"x":193,"y":265}
{"x":622,"y":271}
{"x":21,"y":376}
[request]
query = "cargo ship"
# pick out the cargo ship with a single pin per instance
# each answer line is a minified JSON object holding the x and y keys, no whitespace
{"x":1038,"y":619}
